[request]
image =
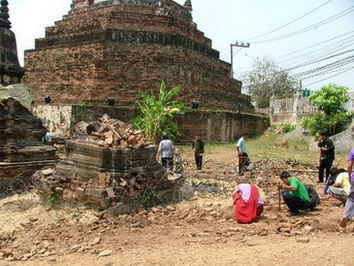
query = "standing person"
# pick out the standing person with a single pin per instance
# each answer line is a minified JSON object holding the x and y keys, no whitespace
{"x":243,"y":160}
{"x":248,"y":204}
{"x":294,"y":193}
{"x":165,"y":150}
{"x":326,"y":146}
{"x":198,"y":147}
{"x":349,"y":204}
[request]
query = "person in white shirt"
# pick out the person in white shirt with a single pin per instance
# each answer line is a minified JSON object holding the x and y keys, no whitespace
{"x":166,"y":150}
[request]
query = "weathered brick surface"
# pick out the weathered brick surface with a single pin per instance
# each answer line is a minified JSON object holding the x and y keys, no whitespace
{"x":116,"y":49}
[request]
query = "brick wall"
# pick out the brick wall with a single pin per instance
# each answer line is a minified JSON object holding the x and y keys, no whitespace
{"x":218,"y":126}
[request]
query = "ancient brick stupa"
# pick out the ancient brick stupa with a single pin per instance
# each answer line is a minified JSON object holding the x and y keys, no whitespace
{"x":22,"y":150}
{"x":116,"y":48}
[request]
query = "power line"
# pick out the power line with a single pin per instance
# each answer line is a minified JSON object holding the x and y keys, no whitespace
{"x":318,"y":81}
{"x":322,"y":51}
{"x":333,"y":64}
{"x":287,"y":24}
{"x":317,"y":61}
{"x":332,"y":69}
{"x":311,"y":27}
{"x":317,"y":44}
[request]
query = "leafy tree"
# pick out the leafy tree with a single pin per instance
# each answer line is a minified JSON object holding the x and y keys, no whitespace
{"x":267,"y":79}
{"x":155,"y":116}
{"x":332,"y":116}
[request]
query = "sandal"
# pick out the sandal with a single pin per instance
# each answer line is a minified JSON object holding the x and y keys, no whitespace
{"x":343,"y":222}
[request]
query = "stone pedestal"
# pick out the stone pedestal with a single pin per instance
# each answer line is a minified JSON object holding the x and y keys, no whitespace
{"x":118,"y":179}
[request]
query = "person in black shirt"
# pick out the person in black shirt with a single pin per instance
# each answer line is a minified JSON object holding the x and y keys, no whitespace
{"x":326,"y":146}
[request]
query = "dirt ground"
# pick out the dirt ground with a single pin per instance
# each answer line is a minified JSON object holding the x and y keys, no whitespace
{"x":200,"y":231}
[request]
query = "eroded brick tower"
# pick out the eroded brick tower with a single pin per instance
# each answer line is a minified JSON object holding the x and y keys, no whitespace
{"x":116,"y":48}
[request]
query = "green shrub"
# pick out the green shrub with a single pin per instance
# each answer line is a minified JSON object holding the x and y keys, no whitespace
{"x":287,"y":127}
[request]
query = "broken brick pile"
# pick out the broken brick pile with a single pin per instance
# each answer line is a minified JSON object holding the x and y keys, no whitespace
{"x":111,"y":132}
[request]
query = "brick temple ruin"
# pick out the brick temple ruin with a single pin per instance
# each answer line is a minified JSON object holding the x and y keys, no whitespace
{"x":113,"y":49}
{"x":116,"y":48}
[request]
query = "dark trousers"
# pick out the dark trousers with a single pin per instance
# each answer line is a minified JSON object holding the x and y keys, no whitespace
{"x":243,"y":162}
{"x":167,"y":163}
{"x":198,"y":160}
{"x":324,"y":165}
{"x":294,"y":203}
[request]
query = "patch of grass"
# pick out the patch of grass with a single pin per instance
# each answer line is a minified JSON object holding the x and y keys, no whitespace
{"x":263,"y":147}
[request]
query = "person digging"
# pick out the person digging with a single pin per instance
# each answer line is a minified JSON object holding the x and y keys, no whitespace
{"x":294,"y":194}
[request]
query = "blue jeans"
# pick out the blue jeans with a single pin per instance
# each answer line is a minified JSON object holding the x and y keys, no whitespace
{"x":294,"y":203}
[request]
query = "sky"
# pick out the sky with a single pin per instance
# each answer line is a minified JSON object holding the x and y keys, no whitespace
{"x":313,"y":40}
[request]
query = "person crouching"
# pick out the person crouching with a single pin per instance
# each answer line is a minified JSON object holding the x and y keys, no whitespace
{"x":294,"y":194}
{"x":248,"y":204}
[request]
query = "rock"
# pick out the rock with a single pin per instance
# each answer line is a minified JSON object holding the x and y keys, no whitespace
{"x":203,"y":234}
{"x":96,"y":241}
{"x":263,"y":233}
{"x":45,"y":244}
{"x":17,"y":256}
{"x":32,"y":219}
{"x":7,"y":252}
{"x":303,"y":240}
{"x":136,"y":225}
{"x":235,"y":229}
{"x":308,"y":229}
{"x":105,"y":253}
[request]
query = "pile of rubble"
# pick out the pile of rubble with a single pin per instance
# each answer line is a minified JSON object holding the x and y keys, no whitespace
{"x":110,"y":132}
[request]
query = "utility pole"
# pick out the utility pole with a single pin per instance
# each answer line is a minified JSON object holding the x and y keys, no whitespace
{"x":241,"y":45}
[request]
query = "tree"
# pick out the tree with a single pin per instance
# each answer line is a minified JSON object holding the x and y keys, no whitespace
{"x":267,"y":79}
{"x":155,"y":116}
{"x":332,"y":116}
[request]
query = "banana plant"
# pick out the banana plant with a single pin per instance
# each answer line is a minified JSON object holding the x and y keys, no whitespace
{"x":155,"y":117}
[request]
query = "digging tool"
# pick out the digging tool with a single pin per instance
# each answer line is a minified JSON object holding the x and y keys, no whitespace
{"x":279,"y":199}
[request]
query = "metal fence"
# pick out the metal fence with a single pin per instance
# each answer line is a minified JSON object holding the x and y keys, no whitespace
{"x":292,"y":110}
{"x":286,"y":106}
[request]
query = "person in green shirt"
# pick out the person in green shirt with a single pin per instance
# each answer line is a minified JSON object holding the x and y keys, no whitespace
{"x":294,"y":193}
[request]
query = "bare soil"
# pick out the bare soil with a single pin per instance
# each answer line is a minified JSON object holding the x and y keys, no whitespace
{"x":200,"y":231}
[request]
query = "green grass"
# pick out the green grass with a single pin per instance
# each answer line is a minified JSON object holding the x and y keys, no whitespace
{"x":263,"y":147}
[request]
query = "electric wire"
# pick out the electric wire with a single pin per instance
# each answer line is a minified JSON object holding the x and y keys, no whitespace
{"x":317,"y":44}
{"x":333,"y":64}
{"x":342,"y":45}
{"x":311,"y":27}
{"x":318,"y":81}
{"x":331,"y":70}
{"x":317,"y":61}
{"x":289,"y":23}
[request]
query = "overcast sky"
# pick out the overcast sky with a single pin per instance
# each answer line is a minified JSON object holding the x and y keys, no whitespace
{"x":314,"y":38}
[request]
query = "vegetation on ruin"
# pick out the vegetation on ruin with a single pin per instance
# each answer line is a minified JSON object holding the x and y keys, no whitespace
{"x":331,"y":115}
{"x":267,"y":79}
{"x":155,"y":117}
